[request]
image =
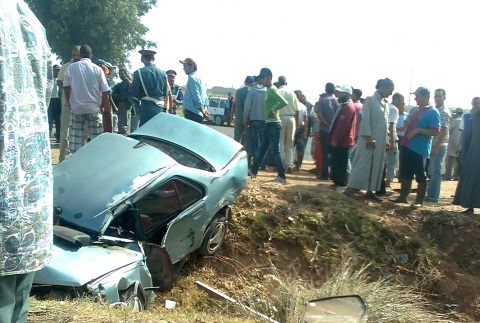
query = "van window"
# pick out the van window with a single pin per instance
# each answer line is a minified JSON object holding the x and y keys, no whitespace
{"x":223,"y":104}
{"x":213,"y":103}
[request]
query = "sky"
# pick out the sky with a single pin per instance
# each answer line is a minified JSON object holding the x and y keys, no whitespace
{"x":311,"y":42}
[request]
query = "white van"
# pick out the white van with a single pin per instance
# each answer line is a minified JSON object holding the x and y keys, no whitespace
{"x":216,"y":108}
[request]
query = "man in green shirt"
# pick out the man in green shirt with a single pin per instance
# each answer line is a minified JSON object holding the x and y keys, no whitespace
{"x":271,"y":133}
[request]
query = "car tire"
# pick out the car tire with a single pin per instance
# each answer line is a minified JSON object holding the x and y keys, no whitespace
{"x":214,"y":236}
{"x":133,"y":298}
{"x":218,"y":121}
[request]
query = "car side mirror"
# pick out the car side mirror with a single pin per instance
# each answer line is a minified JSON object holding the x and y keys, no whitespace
{"x":345,"y":309}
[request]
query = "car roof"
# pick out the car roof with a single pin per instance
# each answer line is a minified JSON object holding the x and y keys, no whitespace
{"x":102,"y":173}
{"x":212,"y":146}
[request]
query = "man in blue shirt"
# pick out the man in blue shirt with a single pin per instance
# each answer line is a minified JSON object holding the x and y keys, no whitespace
{"x":195,"y":100}
{"x":422,"y":124}
{"x":150,"y":87}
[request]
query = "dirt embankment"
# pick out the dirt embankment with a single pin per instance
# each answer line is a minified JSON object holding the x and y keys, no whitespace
{"x":305,"y":227}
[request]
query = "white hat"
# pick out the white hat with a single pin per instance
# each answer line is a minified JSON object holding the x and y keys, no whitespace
{"x":344,"y":89}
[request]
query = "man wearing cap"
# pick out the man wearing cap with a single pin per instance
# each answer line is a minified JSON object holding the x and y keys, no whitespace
{"x":274,"y":101}
{"x":421,"y":125}
{"x":289,"y":118}
{"x":195,"y":101}
{"x":175,"y":90}
{"x":87,"y":91}
{"x":150,"y":86}
{"x":369,"y":158}
{"x":439,"y":148}
{"x":239,"y":108}
{"x":342,"y":135}
{"x":55,"y":106}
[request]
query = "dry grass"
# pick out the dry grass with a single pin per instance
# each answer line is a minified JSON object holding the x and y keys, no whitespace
{"x":283,"y":297}
{"x":264,"y":289}
{"x":192,"y":305}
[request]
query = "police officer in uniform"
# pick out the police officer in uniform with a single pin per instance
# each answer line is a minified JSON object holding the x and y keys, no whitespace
{"x":150,"y":87}
{"x":176,"y":90}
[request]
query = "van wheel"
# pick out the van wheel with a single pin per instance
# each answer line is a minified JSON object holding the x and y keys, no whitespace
{"x":214,"y":236}
{"x":218,"y":120}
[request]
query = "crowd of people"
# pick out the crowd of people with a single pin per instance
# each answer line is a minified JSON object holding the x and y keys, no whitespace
{"x":86,"y":101}
{"x":361,"y":145}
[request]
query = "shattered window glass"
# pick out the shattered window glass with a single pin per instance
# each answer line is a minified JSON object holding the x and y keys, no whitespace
{"x":163,"y":204}
{"x":181,"y":155}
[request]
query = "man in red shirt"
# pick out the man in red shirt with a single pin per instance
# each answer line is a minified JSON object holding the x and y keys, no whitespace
{"x":342,"y":135}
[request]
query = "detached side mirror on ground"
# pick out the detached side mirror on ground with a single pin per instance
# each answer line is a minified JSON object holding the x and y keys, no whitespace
{"x":337,"y":309}
{"x":345,"y":309}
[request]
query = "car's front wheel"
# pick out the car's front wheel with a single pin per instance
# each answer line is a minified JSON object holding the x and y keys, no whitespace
{"x":133,"y":298}
{"x":214,"y":236}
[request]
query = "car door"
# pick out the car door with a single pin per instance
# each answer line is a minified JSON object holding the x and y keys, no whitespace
{"x":185,"y":233}
{"x":172,"y":215}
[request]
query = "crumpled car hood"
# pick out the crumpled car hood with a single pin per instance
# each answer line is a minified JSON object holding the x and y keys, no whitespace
{"x":101,"y":174}
{"x":68,"y":267}
{"x":199,"y":138}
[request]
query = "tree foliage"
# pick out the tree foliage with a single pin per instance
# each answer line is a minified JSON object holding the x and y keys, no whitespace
{"x":110,"y":27}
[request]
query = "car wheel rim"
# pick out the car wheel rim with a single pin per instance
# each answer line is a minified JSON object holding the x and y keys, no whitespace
{"x":217,"y":236}
{"x":134,"y":303}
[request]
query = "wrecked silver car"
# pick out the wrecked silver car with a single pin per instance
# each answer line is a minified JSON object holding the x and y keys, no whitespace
{"x":131,"y":209}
